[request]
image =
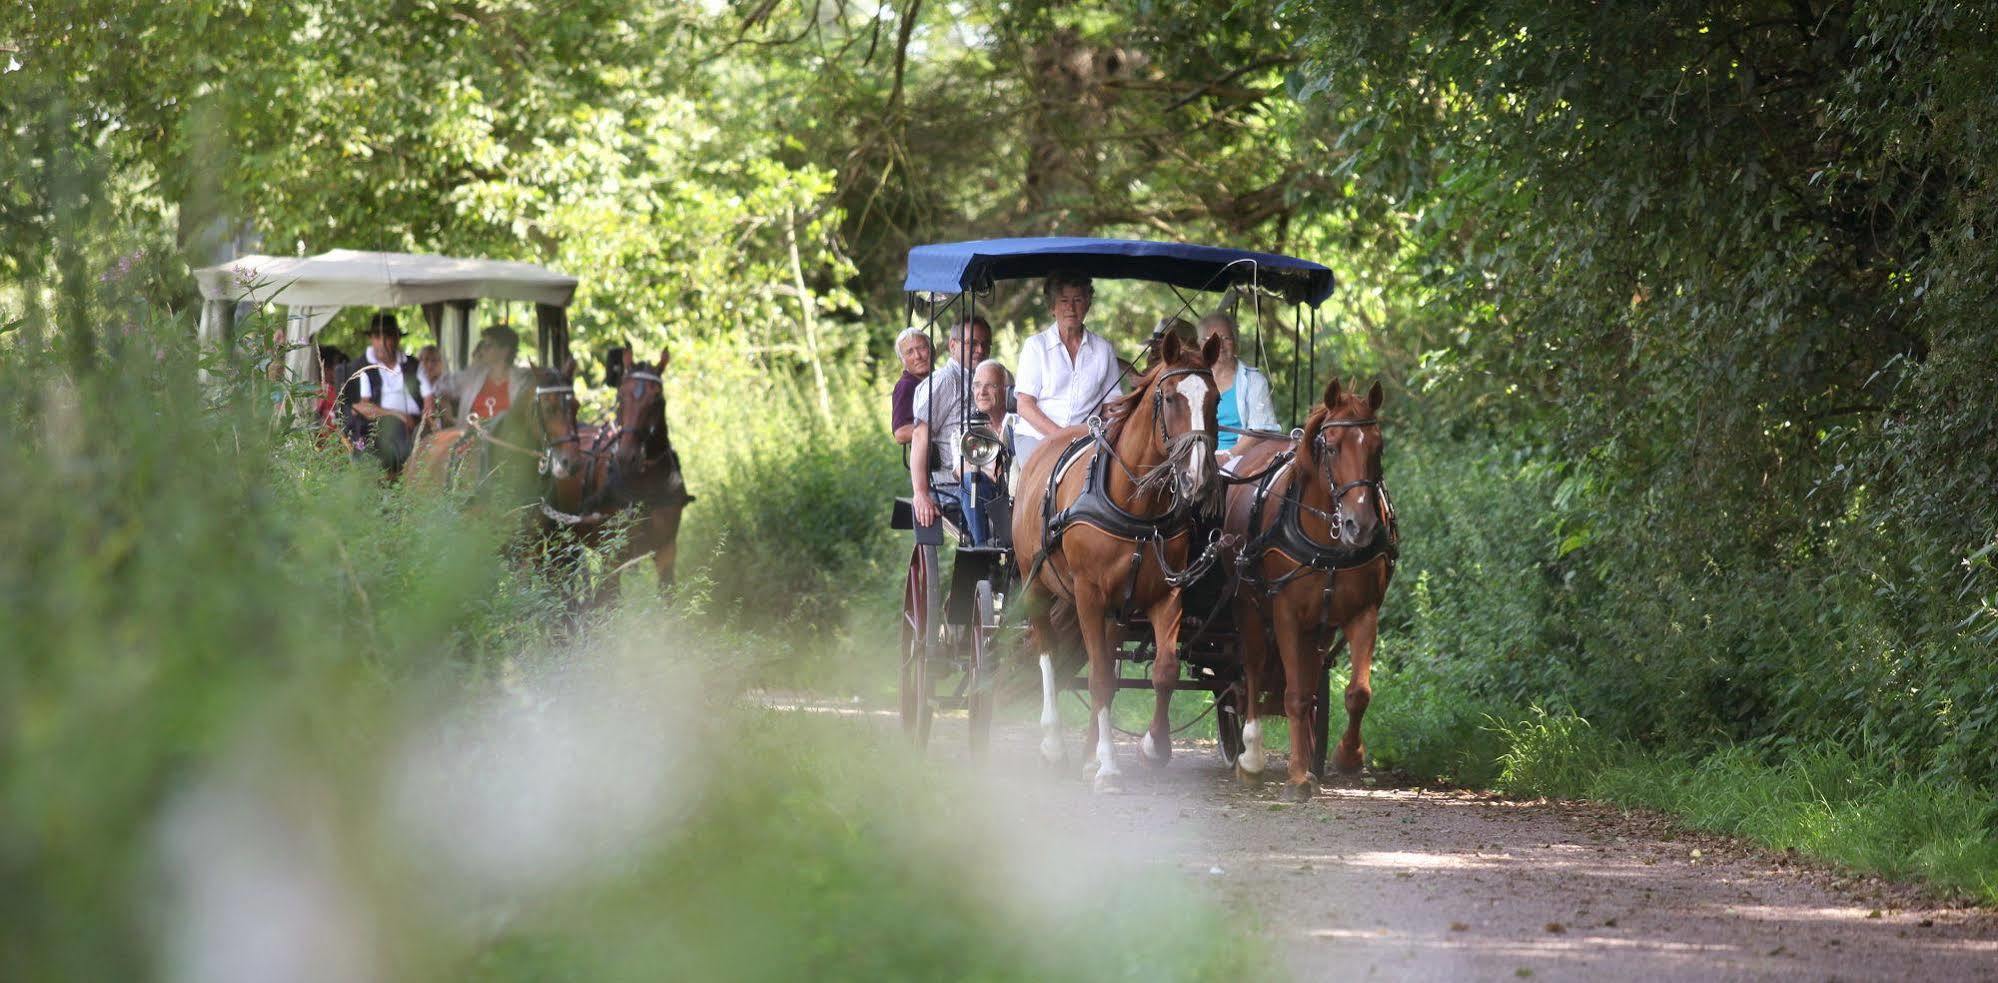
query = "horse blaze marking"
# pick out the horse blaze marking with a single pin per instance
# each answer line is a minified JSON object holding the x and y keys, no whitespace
{"x":1192,"y":388}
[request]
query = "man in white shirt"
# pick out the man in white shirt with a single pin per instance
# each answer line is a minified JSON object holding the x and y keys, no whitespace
{"x":386,"y":396}
{"x":939,"y":409}
{"x":1066,"y":372}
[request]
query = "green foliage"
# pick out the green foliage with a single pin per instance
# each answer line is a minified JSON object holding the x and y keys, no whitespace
{"x":252,"y":694}
{"x":793,"y":506}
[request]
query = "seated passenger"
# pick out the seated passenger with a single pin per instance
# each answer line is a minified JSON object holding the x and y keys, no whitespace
{"x":990,"y":383}
{"x":912,"y":346}
{"x":1067,"y":372}
{"x":1245,"y":392}
{"x":935,"y":473}
{"x":384,"y":397}
{"x":491,"y":384}
{"x":430,"y":364}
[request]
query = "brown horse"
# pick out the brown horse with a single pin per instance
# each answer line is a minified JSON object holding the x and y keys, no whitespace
{"x":1319,"y":549}
{"x":544,"y":432}
{"x":1153,"y":466}
{"x":632,"y":465}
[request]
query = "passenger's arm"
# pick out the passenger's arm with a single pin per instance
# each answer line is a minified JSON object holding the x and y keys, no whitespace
{"x":905,"y":433}
{"x":1259,"y":410}
{"x":1030,"y":410}
{"x":919,"y":474}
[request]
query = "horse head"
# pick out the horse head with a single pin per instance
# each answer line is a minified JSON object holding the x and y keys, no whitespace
{"x":555,"y":421}
{"x":641,"y":410}
{"x":1178,"y":397}
{"x":1344,"y":441}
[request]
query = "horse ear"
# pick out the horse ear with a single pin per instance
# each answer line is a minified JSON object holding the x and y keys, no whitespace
{"x":1332,"y":393}
{"x":625,"y":355}
{"x":1211,"y":352}
{"x":665,"y":359}
{"x":1169,"y":347}
{"x":569,"y":369}
{"x":1375,"y":396}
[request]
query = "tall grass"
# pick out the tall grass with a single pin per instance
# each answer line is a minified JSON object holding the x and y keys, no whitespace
{"x":263,"y":716}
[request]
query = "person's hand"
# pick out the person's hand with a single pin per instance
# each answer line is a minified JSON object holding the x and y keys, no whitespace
{"x":926,"y":509}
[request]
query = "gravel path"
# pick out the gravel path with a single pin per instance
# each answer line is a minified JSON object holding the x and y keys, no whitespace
{"x":1408,"y":883}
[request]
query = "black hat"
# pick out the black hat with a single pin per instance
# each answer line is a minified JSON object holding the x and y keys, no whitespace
{"x":383,"y":323}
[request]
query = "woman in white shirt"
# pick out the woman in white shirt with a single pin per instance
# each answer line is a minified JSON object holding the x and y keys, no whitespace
{"x":1245,"y":391}
{"x":1067,"y":371}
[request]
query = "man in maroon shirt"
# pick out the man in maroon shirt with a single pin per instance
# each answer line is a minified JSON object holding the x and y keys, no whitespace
{"x":913,"y":346}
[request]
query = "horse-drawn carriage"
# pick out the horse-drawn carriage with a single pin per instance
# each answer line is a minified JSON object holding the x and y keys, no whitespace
{"x":585,"y":474}
{"x":1135,"y":553}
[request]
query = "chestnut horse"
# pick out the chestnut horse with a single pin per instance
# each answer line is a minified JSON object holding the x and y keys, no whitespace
{"x":1319,"y":549}
{"x":543,"y":431}
{"x":633,"y":465}
{"x":1111,"y":563}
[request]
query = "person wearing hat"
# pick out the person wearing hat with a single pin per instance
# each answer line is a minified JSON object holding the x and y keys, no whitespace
{"x":385,"y":397}
{"x":492,"y":383}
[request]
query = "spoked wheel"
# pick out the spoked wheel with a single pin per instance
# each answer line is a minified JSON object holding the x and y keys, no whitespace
{"x":978,"y":696}
{"x":1228,"y":723}
{"x":918,"y":629}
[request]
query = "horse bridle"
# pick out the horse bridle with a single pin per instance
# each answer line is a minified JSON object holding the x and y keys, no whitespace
{"x":645,"y":427}
{"x":1320,"y":454}
{"x":546,"y":464}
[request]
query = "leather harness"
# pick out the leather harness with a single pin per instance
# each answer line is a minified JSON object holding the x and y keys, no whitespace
{"x":1286,"y":536}
{"x":1095,"y":509}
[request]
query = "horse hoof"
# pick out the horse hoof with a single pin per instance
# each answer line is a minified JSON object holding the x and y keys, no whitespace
{"x":1106,"y":784}
{"x":1303,"y":791}
{"x":1051,"y":749}
{"x":1152,"y":754}
{"x":1349,"y":762}
{"x":1247,"y":777}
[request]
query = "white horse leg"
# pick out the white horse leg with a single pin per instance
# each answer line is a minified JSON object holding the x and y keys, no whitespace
{"x":1050,"y":720}
{"x":1252,"y":759}
{"x":1106,"y":754}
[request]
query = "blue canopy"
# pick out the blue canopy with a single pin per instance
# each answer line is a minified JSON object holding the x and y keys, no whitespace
{"x":954,"y":267}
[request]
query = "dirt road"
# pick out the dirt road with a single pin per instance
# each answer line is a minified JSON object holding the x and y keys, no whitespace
{"x":1407,"y":883}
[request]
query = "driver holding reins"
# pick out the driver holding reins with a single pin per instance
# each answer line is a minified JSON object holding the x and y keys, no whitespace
{"x":1067,"y":371}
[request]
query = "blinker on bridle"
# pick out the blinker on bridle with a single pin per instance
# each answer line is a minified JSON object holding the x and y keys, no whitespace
{"x":1319,"y":451}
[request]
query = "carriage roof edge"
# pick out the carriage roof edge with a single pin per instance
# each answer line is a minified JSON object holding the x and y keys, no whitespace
{"x":314,"y":288}
{"x":955,"y":267}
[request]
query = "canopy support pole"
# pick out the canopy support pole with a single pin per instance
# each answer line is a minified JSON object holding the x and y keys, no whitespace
{"x":552,"y":329}
{"x":454,"y":334}
{"x":218,"y":323}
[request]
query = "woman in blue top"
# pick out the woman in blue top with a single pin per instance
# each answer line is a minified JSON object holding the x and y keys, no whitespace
{"x":1245,"y":392}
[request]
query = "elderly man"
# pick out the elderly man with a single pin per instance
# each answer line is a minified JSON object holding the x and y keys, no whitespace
{"x":933,"y":452}
{"x":492,"y":383}
{"x":912,"y":346}
{"x":385,"y":397}
{"x":1066,"y":371}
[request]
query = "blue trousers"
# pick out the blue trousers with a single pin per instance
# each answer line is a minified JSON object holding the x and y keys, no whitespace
{"x":971,"y":500}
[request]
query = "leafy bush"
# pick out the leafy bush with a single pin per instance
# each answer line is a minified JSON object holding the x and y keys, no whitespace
{"x":260,"y":711}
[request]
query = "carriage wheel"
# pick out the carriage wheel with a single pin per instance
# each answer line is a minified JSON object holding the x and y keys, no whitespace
{"x":917,"y":630}
{"x":1228,"y":723}
{"x":979,"y":696}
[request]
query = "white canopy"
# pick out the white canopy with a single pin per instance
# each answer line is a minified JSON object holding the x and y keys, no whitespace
{"x":350,"y":278}
{"x":314,"y":288}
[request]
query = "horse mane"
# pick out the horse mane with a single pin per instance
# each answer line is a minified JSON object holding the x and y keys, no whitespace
{"x":1118,"y":411}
